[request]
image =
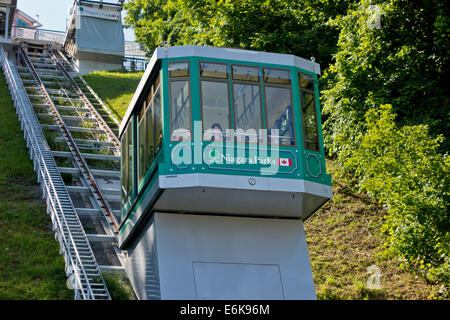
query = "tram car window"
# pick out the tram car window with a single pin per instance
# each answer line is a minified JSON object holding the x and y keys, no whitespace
{"x":215,"y":102}
{"x":308,"y":104}
{"x":222,"y":131}
{"x":278,"y":98}
{"x":180,"y":101}
{"x":247,"y":103}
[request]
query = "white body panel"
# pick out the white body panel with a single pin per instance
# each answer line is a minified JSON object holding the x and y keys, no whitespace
{"x":215,"y":194}
{"x":218,"y":257}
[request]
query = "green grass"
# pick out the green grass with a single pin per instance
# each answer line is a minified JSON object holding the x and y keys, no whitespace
{"x":344,"y":239}
{"x":115,"y":88}
{"x":30,"y":264}
{"x":119,"y":287}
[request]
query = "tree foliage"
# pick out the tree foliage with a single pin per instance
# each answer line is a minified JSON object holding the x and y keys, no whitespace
{"x":396,"y":152}
{"x":402,"y":170}
{"x":285,"y":26}
{"x":404,"y":63}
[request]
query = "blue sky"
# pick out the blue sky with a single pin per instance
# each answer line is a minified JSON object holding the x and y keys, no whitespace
{"x":53,"y":13}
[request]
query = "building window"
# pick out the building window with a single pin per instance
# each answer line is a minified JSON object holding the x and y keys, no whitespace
{"x":246,"y":102}
{"x":308,"y":106}
{"x":278,"y":101}
{"x":180,"y":104}
{"x":214,"y":100}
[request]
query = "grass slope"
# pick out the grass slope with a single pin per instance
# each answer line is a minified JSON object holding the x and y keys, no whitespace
{"x":30,"y":264}
{"x":344,"y":236}
{"x":344,"y":239}
{"x":115,"y":88}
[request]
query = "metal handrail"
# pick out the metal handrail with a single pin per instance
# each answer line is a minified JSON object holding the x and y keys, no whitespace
{"x":51,"y":192}
{"x":45,"y":176}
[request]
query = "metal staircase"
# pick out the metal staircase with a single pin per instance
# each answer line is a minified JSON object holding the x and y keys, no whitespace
{"x":43,"y":89}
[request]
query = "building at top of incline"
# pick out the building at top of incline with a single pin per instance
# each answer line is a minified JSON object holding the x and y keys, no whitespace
{"x":94,"y":37}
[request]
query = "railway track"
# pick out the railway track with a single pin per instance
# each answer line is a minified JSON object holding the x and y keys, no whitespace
{"x":77,"y":161}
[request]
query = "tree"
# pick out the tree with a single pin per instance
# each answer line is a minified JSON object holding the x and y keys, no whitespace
{"x":388,"y":150}
{"x":400,"y":168}
{"x":404,"y":63}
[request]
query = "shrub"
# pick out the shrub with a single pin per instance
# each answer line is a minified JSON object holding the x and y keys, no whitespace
{"x":401,"y":168}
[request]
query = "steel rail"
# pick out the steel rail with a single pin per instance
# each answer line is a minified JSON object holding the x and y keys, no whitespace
{"x":44,"y":174}
{"x":87,"y":174}
{"x":87,"y":102}
{"x":99,"y":100}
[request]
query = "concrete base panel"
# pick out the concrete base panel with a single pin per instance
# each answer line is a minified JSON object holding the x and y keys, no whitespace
{"x":181,"y":256}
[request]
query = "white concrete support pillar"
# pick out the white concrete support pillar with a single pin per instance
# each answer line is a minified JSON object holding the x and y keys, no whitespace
{"x":183,"y":256}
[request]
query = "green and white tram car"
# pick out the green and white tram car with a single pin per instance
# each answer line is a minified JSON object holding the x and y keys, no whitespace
{"x":189,"y":89}
{"x":219,"y":132}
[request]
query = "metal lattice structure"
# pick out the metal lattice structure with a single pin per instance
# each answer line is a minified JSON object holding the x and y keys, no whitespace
{"x":81,"y":265}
